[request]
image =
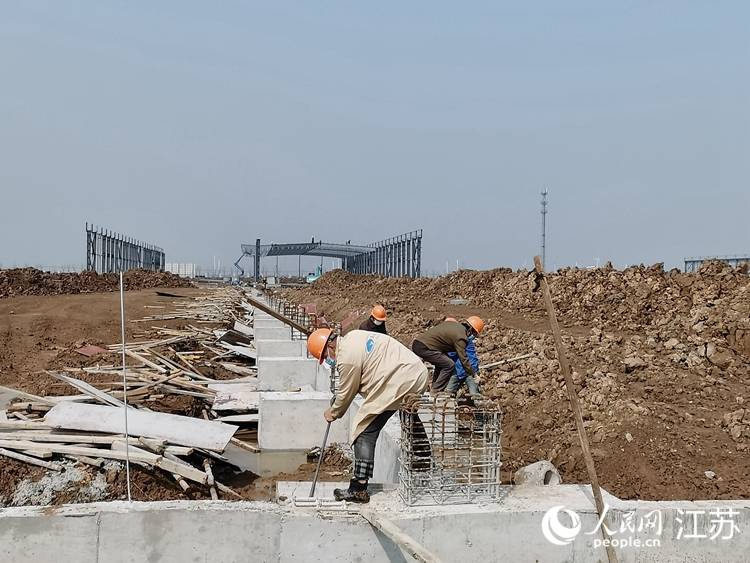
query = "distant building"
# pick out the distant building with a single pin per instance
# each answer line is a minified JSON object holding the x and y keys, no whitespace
{"x":182,"y":270}
{"x":694,"y":264}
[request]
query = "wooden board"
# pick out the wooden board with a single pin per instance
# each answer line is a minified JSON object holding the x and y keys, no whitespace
{"x":236,"y":401}
{"x":176,"y":429}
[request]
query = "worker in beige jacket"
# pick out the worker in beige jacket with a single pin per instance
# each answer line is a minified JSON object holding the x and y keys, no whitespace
{"x":383,"y":371}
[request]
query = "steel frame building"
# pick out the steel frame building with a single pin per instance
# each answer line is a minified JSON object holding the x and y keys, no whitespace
{"x":735,"y":260}
{"x":399,"y":256}
{"x":108,"y":252}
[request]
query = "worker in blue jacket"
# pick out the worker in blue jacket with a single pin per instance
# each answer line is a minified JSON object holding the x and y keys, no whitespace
{"x":460,"y":377}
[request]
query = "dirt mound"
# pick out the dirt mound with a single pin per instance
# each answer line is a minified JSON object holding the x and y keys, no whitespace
{"x":660,"y":358}
{"x":30,"y":281}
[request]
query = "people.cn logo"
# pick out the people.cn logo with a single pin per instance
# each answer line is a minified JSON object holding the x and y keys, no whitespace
{"x":555,"y":531}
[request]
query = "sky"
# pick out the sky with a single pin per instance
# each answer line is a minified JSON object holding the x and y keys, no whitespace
{"x":198,"y":126}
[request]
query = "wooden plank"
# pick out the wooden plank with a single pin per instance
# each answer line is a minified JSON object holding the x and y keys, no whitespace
{"x":244,"y":329}
{"x":27,"y":396}
{"x":239,"y":418}
{"x":176,"y":429}
{"x":562,"y":358}
{"x":244,"y":445}
{"x":28,"y":459}
{"x":88,"y":389}
{"x":174,"y":465}
{"x":397,"y":536}
{"x":236,"y":401}
{"x":244,"y":351}
{"x":12,"y":425}
{"x":146,"y":362}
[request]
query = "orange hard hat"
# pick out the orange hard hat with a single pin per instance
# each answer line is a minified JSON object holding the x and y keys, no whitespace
{"x":317,"y":342}
{"x":378,"y":313}
{"x":476,"y":323}
{"x":450,"y":319}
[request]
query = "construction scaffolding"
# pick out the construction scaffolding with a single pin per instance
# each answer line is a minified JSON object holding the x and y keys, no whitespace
{"x":450,"y":452}
{"x":108,"y":252}
{"x":396,"y":257}
{"x":735,"y":260}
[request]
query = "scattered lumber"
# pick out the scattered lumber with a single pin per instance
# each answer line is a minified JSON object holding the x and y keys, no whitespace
{"x":176,"y":429}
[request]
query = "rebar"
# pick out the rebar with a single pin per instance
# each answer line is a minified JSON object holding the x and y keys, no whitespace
{"x":450,"y":452}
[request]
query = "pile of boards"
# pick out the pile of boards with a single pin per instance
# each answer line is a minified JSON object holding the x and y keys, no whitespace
{"x":90,"y":426}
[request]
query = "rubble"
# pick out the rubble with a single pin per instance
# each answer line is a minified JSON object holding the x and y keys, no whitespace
{"x":30,"y":281}
{"x":659,"y":355}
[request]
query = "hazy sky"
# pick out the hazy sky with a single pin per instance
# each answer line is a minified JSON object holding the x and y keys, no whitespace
{"x":201,"y":125}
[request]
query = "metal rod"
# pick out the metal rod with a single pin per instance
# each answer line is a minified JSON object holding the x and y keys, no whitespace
{"x":125,"y":385}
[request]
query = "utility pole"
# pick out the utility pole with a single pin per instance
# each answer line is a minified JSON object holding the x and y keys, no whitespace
{"x":544,"y":226}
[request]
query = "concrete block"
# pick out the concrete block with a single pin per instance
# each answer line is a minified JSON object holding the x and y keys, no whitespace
{"x":268,"y":323}
{"x":41,"y":538}
{"x":323,"y":378}
{"x":294,"y":421}
{"x":537,"y":474}
{"x":185,"y":535}
{"x":286,"y":374}
{"x":281,"y":348}
{"x":273,"y":333}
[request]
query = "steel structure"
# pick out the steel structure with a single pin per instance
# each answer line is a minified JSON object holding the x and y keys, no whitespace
{"x":108,"y":252}
{"x":450,"y":453}
{"x":399,"y":256}
{"x":735,"y":260}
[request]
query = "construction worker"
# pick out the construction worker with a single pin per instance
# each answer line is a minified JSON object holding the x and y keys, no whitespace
{"x":383,"y":371}
{"x":449,"y":336}
{"x":376,"y":321}
{"x":460,"y":377}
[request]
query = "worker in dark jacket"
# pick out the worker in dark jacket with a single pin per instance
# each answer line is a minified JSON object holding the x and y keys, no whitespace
{"x":376,"y":320}
{"x":449,"y":336}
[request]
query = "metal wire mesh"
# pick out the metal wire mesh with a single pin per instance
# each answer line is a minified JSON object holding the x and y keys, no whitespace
{"x":450,"y":452}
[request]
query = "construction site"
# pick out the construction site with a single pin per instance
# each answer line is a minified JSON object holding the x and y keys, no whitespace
{"x":374,"y":282}
{"x":224,"y":418}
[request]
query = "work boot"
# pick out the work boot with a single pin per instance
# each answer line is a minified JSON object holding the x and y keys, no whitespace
{"x":357,"y":492}
{"x":362,"y":497}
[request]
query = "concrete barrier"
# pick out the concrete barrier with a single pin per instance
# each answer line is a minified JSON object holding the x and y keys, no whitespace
{"x":179,"y":531}
{"x":294,"y":421}
{"x":286,"y":374}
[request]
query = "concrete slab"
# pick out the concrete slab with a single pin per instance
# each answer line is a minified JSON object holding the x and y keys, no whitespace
{"x":182,"y":531}
{"x":286,"y":374}
{"x":281,"y":348}
{"x":294,"y":421}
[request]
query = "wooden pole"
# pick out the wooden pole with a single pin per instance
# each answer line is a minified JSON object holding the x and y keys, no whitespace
{"x":275,"y":314}
{"x":402,"y":540}
{"x":573,"y":398}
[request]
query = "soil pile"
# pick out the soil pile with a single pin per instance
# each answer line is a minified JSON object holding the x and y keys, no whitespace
{"x":660,"y":357}
{"x":30,"y":281}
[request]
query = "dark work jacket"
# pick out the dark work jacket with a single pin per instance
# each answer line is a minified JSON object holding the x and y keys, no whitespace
{"x":449,"y":336}
{"x":372,"y":327}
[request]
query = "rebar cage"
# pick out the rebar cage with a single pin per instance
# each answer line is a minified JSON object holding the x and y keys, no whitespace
{"x":450,"y":451}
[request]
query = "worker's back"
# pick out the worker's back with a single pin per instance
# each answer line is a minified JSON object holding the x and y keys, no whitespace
{"x":444,"y":337}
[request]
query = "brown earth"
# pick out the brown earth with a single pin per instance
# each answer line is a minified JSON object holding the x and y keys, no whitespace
{"x":661,"y":367}
{"x":30,"y":281}
{"x":41,"y":332}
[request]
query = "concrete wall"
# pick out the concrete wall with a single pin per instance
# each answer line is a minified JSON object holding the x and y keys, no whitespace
{"x":285,"y":374}
{"x":294,"y":421}
{"x":283,"y":348}
{"x":273,"y":333}
{"x":186,"y":531}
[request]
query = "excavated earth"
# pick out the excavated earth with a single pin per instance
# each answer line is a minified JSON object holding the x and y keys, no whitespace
{"x":40,"y":329}
{"x":661,"y":363}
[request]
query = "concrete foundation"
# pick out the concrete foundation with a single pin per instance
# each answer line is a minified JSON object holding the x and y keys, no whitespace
{"x":250,"y":531}
{"x":286,"y":374}
{"x":284,"y":348}
{"x":294,"y":421}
